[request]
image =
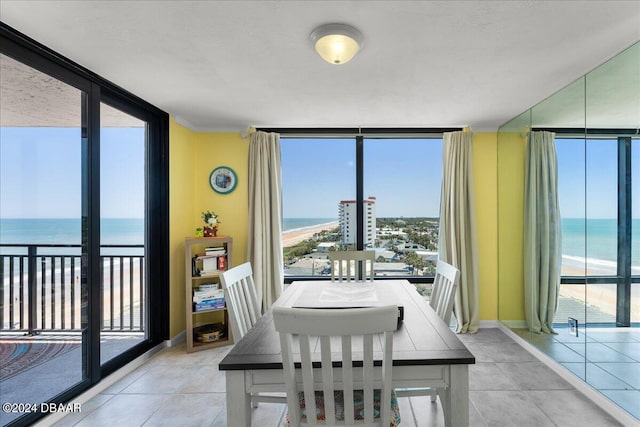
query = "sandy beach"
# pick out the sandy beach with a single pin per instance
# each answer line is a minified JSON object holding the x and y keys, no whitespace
{"x":292,"y":237}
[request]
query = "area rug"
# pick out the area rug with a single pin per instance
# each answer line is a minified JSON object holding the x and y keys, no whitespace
{"x":17,"y":356}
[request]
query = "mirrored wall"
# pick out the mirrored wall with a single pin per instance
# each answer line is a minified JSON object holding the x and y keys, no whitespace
{"x":596,"y":321}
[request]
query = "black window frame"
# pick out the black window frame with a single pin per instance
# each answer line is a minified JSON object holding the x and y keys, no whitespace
{"x":359,"y":135}
{"x":623,"y":278}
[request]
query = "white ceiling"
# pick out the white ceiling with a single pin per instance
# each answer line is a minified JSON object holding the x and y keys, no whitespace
{"x":230,"y":65}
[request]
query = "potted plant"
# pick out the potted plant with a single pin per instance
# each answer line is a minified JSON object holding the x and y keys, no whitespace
{"x":211,"y":222}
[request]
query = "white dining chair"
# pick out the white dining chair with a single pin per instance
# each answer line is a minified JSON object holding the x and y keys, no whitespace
{"x":345,"y":265}
{"x":244,"y":311}
{"x":443,"y":291}
{"x":241,"y":299}
{"x":445,"y":283}
{"x":332,"y":389}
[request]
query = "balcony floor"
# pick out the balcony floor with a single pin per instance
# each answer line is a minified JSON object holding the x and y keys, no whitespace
{"x":48,"y":364}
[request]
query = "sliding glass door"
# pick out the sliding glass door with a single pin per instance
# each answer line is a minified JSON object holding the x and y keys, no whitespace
{"x":43,"y":235}
{"x":83,"y":163}
{"x":122,"y":244}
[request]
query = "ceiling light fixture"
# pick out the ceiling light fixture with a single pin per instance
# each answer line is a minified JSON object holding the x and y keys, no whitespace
{"x":336,"y":43}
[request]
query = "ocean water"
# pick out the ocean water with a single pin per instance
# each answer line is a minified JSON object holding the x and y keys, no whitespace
{"x":113,"y":231}
{"x":595,"y":240}
{"x":600,"y":245}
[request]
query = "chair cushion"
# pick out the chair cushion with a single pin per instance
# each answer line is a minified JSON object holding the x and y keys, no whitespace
{"x":358,"y":401}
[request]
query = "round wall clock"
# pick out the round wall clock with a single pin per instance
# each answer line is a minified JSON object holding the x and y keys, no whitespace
{"x":223,"y":180}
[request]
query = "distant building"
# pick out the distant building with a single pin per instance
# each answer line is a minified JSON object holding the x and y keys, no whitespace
{"x":325,"y":247}
{"x":392,"y":269}
{"x":391,"y":233}
{"x":347,"y":217}
{"x":411,"y":247}
{"x":386,"y":254}
{"x":427,"y":255}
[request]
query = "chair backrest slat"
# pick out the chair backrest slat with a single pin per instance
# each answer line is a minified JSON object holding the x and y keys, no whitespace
{"x":347,"y":379}
{"x":327,"y":379}
{"x":443,"y":291}
{"x":240,"y":296}
{"x":306,"y":366}
{"x":368,"y":378}
{"x":346,"y":265}
{"x":387,"y":364}
{"x":368,"y":323}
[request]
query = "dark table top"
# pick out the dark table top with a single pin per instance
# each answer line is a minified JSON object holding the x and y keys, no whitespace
{"x":421,"y":339}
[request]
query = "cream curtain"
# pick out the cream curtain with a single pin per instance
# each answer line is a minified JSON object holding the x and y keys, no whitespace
{"x":542,"y":233}
{"x":457,"y":234}
{"x":265,"y":216}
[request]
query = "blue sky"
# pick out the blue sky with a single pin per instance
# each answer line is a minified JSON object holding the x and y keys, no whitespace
{"x":598,"y":168}
{"x":318,"y":173}
{"x":40,"y":175}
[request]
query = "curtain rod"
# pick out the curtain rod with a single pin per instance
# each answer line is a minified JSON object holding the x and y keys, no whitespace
{"x":582,"y":132}
{"x":366,"y":132}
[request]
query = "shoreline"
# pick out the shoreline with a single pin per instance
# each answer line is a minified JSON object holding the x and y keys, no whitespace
{"x":579,"y":266}
{"x":297,"y":235}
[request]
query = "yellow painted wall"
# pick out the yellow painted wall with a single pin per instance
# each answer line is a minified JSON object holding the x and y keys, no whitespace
{"x":511,"y":149}
{"x":223,"y":149}
{"x":192,"y":157}
{"x":485,"y":189}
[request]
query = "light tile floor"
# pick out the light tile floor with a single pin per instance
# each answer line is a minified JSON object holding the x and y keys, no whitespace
{"x":607,"y":358}
{"x":508,"y":387}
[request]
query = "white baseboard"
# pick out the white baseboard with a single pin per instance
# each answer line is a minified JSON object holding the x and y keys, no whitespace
{"x":181,"y":337}
{"x":514,"y":324}
{"x":595,"y":396}
{"x":489,"y":324}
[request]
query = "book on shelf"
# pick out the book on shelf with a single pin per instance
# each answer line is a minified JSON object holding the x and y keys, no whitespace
{"x":207,"y":273}
{"x":201,"y":295}
{"x":210,"y":264}
{"x":208,"y":286}
{"x":218,"y":250}
{"x":202,"y":257}
{"x":209,"y":304}
{"x":204,"y":265}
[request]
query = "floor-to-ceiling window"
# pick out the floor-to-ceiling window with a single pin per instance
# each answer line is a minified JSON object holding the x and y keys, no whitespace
{"x":122,"y":177}
{"x":83,"y":165}
{"x":635,"y":228}
{"x":405,"y":175}
{"x":377,"y":192}
{"x":317,"y":176}
{"x":594,"y":230}
{"x":44,"y":286}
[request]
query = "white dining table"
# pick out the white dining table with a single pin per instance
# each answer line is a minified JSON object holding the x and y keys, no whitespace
{"x":426,"y":353}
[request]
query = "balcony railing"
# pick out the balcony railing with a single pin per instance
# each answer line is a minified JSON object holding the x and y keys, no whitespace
{"x":41,"y":288}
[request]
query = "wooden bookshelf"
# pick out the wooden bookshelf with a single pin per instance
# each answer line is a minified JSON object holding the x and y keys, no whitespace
{"x":195,"y":276}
